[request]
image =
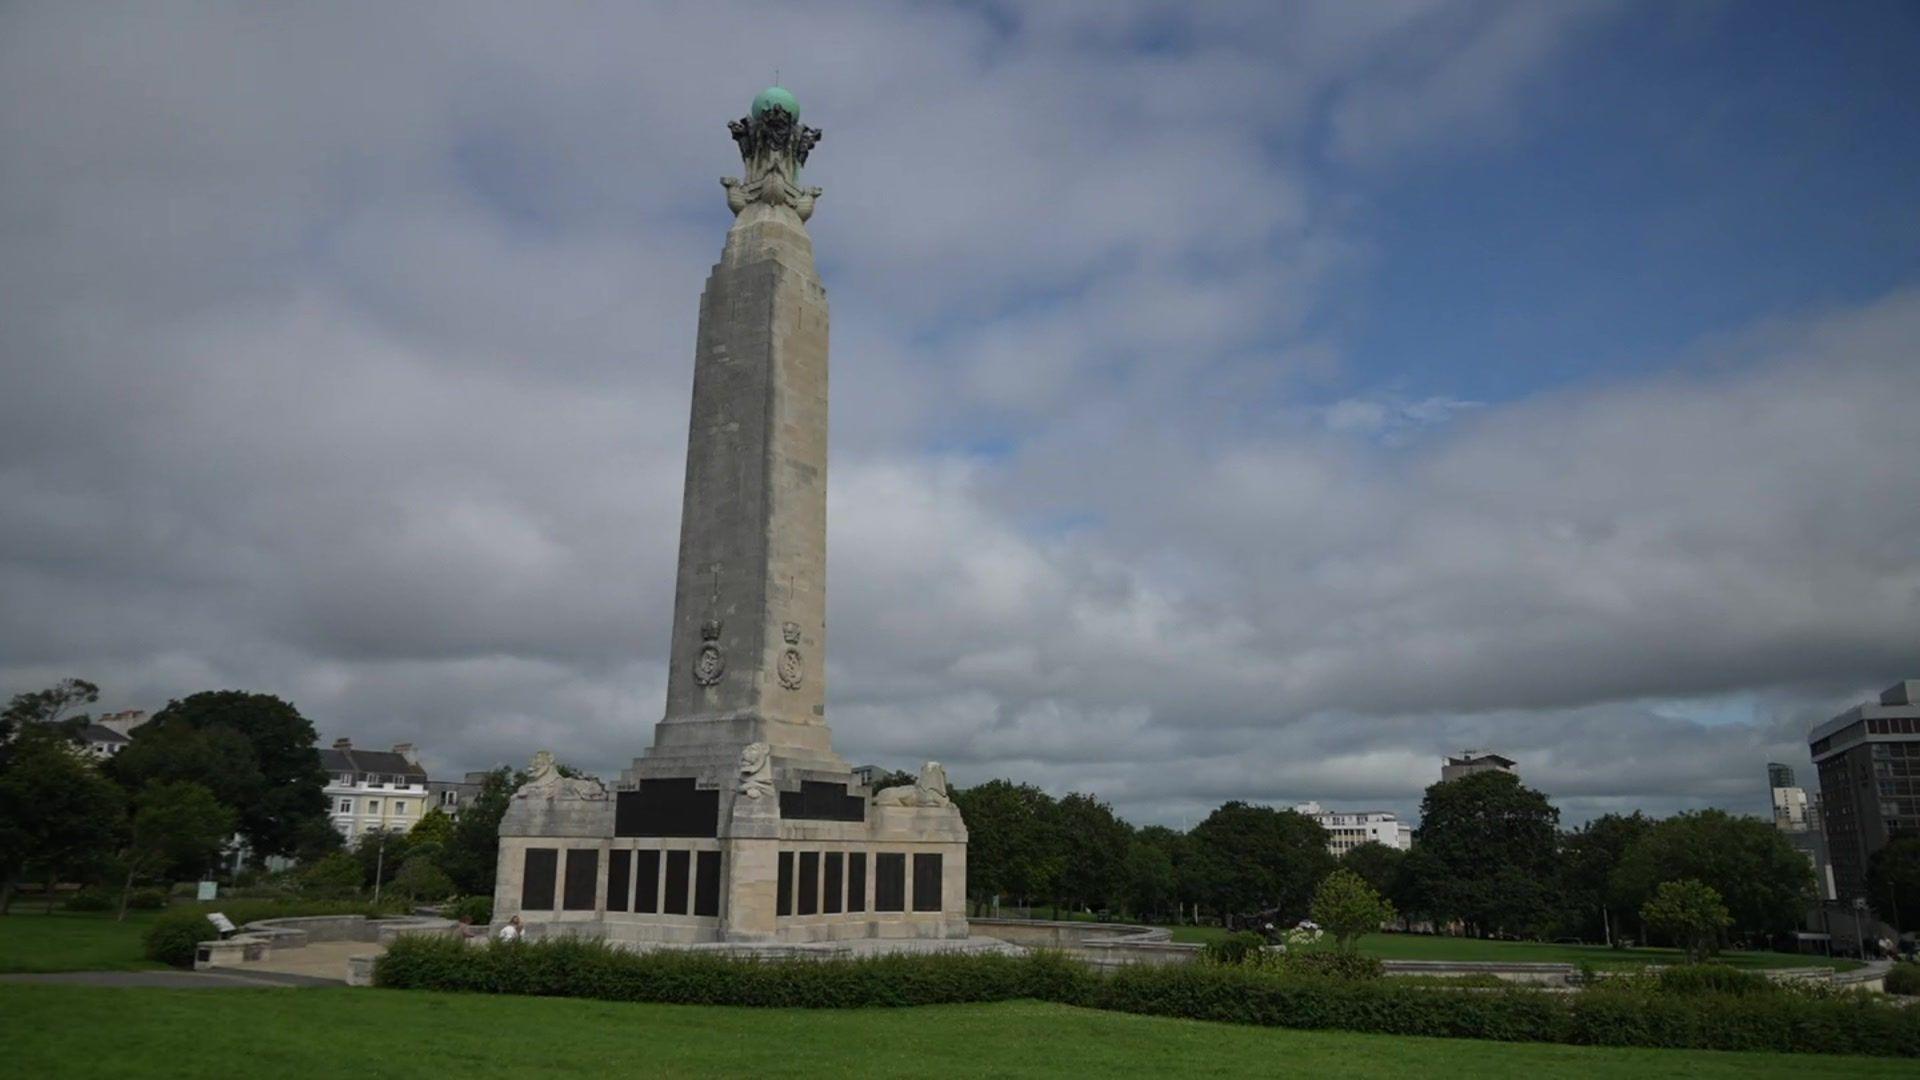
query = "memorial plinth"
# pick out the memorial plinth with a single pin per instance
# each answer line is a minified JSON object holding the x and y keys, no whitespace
{"x":740,"y":824}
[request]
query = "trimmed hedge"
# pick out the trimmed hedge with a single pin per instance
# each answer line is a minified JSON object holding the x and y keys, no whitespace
{"x":172,"y":937}
{"x":1903,"y":978}
{"x":1230,"y":994}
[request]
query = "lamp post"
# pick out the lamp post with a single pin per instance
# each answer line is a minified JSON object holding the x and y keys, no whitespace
{"x":1859,"y":935}
{"x":379,"y":865}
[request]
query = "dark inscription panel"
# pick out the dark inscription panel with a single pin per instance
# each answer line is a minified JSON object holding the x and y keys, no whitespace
{"x":856,"y":881}
{"x":818,"y":800}
{"x":583,"y":872}
{"x":831,"y":885}
{"x":666,"y":808}
{"x":926,"y":881}
{"x":809,"y":883}
{"x":784,"y":905}
{"x":706,"y":883}
{"x":889,"y":881}
{"x":536,"y":884}
{"x":646,"y":894}
{"x":677,"y":862}
{"x":619,"y":878}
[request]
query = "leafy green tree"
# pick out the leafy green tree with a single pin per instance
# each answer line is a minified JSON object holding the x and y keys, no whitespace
{"x":176,"y":827}
{"x":261,"y":754}
{"x":1764,"y":882}
{"x":1093,"y":849}
{"x":336,"y":874}
{"x":1012,"y":847}
{"x":1346,"y":906}
{"x":1377,"y":864}
{"x":57,"y":813}
{"x":1893,"y":882}
{"x":1255,"y":858}
{"x":1493,"y":844}
{"x":1588,"y":858}
{"x":1150,"y":883}
{"x":474,"y":854}
{"x":434,"y":827}
{"x":53,"y":708}
{"x":419,"y":879}
{"x":1689,"y":914}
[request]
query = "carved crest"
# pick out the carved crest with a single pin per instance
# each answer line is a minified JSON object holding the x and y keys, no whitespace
{"x":791,"y":632}
{"x":710,"y":663}
{"x":792,"y":669}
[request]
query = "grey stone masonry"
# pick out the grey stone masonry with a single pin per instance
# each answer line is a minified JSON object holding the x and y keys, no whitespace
{"x":749,"y":624}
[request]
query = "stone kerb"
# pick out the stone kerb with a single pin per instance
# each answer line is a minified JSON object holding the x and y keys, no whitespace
{"x":258,"y":940}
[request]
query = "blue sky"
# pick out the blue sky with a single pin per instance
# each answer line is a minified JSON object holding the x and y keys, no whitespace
{"x":1233,"y":400}
{"x":1682,"y":172}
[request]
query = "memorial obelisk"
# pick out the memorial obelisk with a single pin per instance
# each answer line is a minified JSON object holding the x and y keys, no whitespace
{"x":740,"y":825}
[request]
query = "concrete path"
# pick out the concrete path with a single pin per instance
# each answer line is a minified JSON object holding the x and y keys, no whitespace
{"x":174,"y":980}
{"x":322,"y":960}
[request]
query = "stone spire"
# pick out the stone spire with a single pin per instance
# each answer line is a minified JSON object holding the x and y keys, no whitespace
{"x":749,"y":629}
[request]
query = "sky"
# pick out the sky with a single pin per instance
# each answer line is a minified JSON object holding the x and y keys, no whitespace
{"x":1230,"y":401}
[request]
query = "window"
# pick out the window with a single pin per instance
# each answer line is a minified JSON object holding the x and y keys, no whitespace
{"x":449,"y":798}
{"x":346,"y":806}
{"x":373,"y":806}
{"x":346,"y":779}
{"x":400,"y":807}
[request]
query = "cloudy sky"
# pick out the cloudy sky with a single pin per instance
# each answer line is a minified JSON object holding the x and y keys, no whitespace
{"x":1255,"y":401}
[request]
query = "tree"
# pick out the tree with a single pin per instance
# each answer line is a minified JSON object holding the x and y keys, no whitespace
{"x":1688,"y":913}
{"x":1093,"y":849}
{"x":1588,"y":857}
{"x":1377,"y":864}
{"x":1255,"y":858}
{"x":473,"y":856}
{"x":261,"y":751}
{"x":1346,"y":906}
{"x":1011,"y":840}
{"x":57,"y":813}
{"x":434,"y":827}
{"x":335,"y":874}
{"x":1149,"y":881}
{"x":420,"y":879}
{"x":1492,"y":841}
{"x":1893,"y":882}
{"x":1765,"y":883}
{"x":176,"y":827}
{"x":52,"y":708}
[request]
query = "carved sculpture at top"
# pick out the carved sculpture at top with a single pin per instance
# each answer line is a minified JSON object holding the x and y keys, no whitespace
{"x":929,"y":790}
{"x":773,"y":146}
{"x":756,"y":770}
{"x":544,"y":781}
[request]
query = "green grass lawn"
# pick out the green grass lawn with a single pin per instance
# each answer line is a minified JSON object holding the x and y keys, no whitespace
{"x":73,"y":941}
{"x":1433,"y":947}
{"x":56,"y":1031}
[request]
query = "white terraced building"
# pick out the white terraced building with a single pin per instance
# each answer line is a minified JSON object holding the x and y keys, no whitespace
{"x":374,"y":789}
{"x":1348,"y":829}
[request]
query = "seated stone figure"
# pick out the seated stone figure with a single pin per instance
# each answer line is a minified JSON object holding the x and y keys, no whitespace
{"x":545,"y":781}
{"x":929,"y":790}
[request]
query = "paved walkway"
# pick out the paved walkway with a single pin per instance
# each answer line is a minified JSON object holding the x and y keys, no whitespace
{"x":174,"y":980}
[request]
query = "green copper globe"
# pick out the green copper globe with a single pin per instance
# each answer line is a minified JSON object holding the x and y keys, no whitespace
{"x":772,"y":96}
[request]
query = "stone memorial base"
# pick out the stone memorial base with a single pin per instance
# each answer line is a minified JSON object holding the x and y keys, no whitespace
{"x":822,"y":862}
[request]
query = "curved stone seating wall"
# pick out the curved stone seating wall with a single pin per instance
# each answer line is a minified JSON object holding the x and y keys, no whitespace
{"x":259,"y":940}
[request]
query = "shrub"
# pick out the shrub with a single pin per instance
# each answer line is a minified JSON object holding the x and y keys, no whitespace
{"x":419,"y":879}
{"x":477,"y":908}
{"x":1903,"y":978}
{"x":1234,"y":948}
{"x":1243,"y":993}
{"x":1336,"y":964}
{"x":90,"y":900}
{"x":147,"y":899}
{"x":336,"y":875}
{"x":172,"y":937}
{"x":1711,"y":979}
